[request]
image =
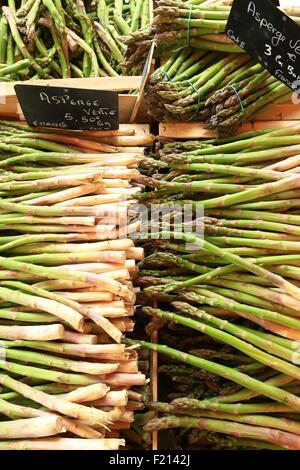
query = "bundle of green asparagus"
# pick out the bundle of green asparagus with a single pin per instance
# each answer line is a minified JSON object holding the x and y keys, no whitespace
{"x":66,"y":294}
{"x":230,"y":107}
{"x":224,"y":89}
{"x":65,"y":38}
{"x":199,"y":24}
{"x":238,"y":286}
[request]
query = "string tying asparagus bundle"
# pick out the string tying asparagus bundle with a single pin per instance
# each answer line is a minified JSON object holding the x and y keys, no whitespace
{"x":228,"y":303}
{"x":66,"y":294}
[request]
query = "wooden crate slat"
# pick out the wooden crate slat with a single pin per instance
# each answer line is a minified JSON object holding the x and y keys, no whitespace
{"x":286,"y":111}
{"x":102,"y":83}
{"x":281,"y":115}
{"x":196,"y":130}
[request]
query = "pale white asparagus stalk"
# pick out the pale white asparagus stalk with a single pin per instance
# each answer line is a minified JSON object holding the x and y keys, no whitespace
{"x":82,"y":350}
{"x":286,"y":164}
{"x":86,"y":394}
{"x":130,"y":264}
{"x":98,"y":231}
{"x":82,"y":430}
{"x":73,"y":410}
{"x":115,"y":413}
{"x":100,"y":281}
{"x":66,"y":194}
{"x":135,"y":253}
{"x":129,"y":284}
{"x":117,"y":275}
{"x":95,"y":173}
{"x":76,"y":220}
{"x":86,"y":296}
{"x":31,"y":428}
{"x":115,"y":183}
{"x":106,"y":245}
{"x":108,"y":312}
{"x":110,"y":257}
{"x":61,"y":284}
{"x":74,"y":426}
{"x":130,"y":309}
{"x":53,"y":296}
{"x":79,"y":338}
{"x":36,"y":333}
{"x":61,"y":443}
{"x":98,"y":268}
{"x":63,"y":312}
{"x":119,"y":414}
{"x":118,"y":160}
{"x":135,"y":396}
{"x":127,"y":416}
{"x":103,"y":156}
{"x":130,"y":367}
{"x":112,"y":398}
{"x":120,"y":379}
{"x":92,"y":368}
{"x":99,"y":199}
{"x":103,"y":297}
{"x":63,"y":180}
{"x":105,"y":325}
{"x":119,"y":303}
{"x":96,"y":200}
{"x":130,"y":191}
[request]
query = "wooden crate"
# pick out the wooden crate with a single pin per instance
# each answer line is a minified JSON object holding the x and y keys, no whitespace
{"x":282,"y":115}
{"x":9,"y":105}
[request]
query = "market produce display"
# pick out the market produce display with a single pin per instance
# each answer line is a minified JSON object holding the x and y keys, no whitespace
{"x":231,"y":306}
{"x":66,"y":38}
{"x":117,"y":248}
{"x":67,"y":297}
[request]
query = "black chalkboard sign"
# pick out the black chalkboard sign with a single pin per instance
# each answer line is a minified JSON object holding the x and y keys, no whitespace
{"x":69,"y":108}
{"x":268,"y":35}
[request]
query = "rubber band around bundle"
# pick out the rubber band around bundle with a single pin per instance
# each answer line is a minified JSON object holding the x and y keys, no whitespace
{"x":198,"y":93}
{"x":240,"y":102}
{"x":189,"y":26}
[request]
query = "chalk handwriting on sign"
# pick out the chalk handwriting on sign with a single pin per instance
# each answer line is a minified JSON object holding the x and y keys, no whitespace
{"x":270,"y":36}
{"x":69,"y":108}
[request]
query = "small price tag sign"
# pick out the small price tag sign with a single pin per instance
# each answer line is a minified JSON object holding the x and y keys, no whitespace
{"x":269,"y":36}
{"x":69,"y":108}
